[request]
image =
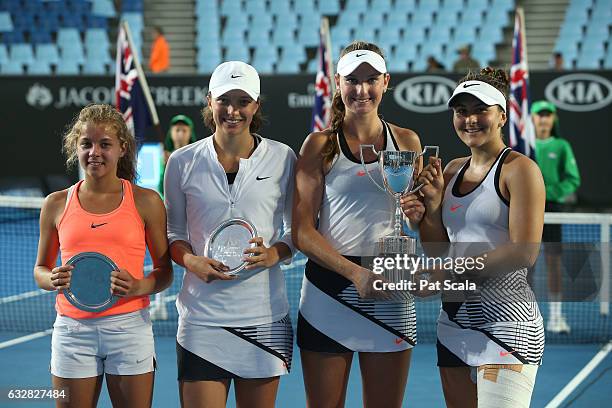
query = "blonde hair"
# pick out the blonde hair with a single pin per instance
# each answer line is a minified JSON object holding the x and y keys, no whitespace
{"x":102,"y":114}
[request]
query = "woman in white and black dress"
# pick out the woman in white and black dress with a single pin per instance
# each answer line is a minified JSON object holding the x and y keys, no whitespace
{"x":231,"y":329}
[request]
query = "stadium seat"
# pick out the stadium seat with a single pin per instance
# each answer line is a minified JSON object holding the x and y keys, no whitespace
{"x":397,"y":20}
{"x":72,"y":54}
{"x":3,"y":53}
{"x":588,"y":61}
{"x":414,"y":34}
{"x":388,"y":36}
{"x":13,"y":37}
{"x":373,"y":20}
{"x":257,"y":36}
{"x":255,"y":6}
{"x":308,"y":36}
{"x":280,"y":8}
{"x":265,"y":51}
{"x":287,"y":66}
{"x":230,"y":38}
{"x":39,"y":68}
{"x":11,"y":68}
{"x":364,"y":33}
{"x":349,"y":19}
{"x":264,"y":66}
{"x":103,"y":8}
{"x":380,"y":6}
{"x":304,"y":6}
{"x":405,"y":52}
{"x":40,"y":37}
{"x":47,"y":53}
{"x":329,"y":7}
{"x":67,"y":67}
{"x":230,"y":7}
{"x":237,"y":52}
{"x":312,"y":66}
{"x":94,"y":67}
{"x":449,"y":18}
{"x":96,"y":37}
{"x":283,"y":36}
{"x":294,"y":53}
{"x":22,"y":53}
{"x":237,"y":21}
{"x":357,"y":5}
{"x":422,"y":18}
{"x":396,"y":65}
{"x":6,"y":23}
{"x":608,"y":61}
{"x":310,"y":20}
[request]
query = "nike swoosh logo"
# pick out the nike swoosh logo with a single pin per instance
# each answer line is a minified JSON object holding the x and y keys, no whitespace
{"x":468,"y":85}
{"x":236,"y":76}
{"x":98,"y":225}
{"x":361,"y":173}
{"x":398,"y":340}
{"x":359,"y":55}
{"x":262,"y":178}
{"x":455,"y":207}
{"x":506,"y":353}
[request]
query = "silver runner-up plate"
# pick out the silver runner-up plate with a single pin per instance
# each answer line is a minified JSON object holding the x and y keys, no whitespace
{"x":228,"y":242}
{"x":90,"y":285}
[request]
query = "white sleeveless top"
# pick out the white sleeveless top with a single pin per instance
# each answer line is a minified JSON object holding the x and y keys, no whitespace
{"x":481,"y":329}
{"x":480,"y":215}
{"x":354,"y":213}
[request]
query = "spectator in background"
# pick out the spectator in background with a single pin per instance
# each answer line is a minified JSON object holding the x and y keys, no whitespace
{"x":558,"y":62}
{"x":465,"y":62}
{"x":433,"y":65}
{"x":561,"y":177}
{"x":160,"y":52}
{"x":181,"y":133}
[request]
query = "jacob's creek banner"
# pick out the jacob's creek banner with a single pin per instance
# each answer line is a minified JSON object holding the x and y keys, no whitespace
{"x":36,"y":110}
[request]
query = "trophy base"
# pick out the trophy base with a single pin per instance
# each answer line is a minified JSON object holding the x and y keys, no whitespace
{"x":391,"y":246}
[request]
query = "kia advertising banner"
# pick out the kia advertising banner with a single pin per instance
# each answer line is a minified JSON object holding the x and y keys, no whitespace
{"x":36,"y":111}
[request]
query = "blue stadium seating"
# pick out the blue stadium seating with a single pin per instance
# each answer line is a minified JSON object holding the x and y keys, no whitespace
{"x":47,"y":53}
{"x":11,"y":68}
{"x":22,"y":53}
{"x":39,"y":68}
{"x":67,"y":67}
{"x":329,"y":7}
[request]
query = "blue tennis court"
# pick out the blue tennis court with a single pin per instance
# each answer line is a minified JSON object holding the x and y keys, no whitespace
{"x":568,"y":377}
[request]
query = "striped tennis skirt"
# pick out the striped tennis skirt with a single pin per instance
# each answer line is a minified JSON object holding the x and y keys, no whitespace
{"x":214,"y":352}
{"x":334,"y":319}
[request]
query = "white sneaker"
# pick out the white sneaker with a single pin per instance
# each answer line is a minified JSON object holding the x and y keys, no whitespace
{"x":558,"y":325}
{"x":158,"y":312}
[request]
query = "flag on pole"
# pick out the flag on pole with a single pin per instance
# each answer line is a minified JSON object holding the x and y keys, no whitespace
{"x":324,"y":85}
{"x":522,"y":133}
{"x":132,"y":96}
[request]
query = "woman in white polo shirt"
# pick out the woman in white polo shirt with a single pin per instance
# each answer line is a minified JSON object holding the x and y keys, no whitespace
{"x":231,"y":328}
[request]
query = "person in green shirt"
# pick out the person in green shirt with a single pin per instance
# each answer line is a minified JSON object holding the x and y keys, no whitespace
{"x":556,"y":160}
{"x":181,"y":133}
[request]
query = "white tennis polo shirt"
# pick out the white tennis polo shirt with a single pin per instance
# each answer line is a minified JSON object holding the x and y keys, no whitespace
{"x":198,"y":198}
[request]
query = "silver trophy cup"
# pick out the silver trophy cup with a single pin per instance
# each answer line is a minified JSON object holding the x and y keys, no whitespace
{"x":397,"y":170}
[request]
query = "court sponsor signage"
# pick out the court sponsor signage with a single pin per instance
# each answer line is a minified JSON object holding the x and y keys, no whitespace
{"x":580,"y":92}
{"x":42,"y":97}
{"x":424,"y":93}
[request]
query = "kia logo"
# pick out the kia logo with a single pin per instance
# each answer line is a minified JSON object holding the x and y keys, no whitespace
{"x":424,"y":94}
{"x":579,"y":92}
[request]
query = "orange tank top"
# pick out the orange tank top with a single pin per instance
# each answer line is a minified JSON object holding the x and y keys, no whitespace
{"x":120,"y":235}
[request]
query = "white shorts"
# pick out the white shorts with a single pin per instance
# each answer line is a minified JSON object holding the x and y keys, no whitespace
{"x":118,"y":345}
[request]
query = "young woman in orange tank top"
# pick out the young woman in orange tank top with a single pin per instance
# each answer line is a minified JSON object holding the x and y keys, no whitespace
{"x":119,"y":341}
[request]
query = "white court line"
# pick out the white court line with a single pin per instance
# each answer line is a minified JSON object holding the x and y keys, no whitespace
{"x":580,"y":377}
{"x":21,"y":296}
{"x":24,"y":339}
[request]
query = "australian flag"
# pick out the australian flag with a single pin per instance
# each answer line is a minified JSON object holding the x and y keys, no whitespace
{"x":522,"y":133}
{"x":321,"y":111}
{"x":132,"y":96}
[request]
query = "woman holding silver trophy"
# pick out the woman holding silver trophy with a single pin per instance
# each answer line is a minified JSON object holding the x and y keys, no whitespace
{"x":490,"y":341}
{"x":338,"y":217}
{"x":228,"y":199}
